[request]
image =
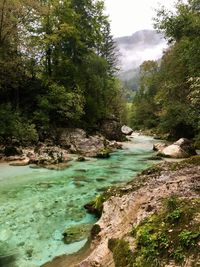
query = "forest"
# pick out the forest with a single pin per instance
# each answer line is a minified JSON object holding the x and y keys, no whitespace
{"x":168,"y":100}
{"x":57,"y":69}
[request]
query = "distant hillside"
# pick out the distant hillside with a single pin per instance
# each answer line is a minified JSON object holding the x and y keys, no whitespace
{"x":132,"y":51}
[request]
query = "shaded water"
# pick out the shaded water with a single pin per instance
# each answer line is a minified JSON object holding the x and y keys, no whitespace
{"x":36,"y":205}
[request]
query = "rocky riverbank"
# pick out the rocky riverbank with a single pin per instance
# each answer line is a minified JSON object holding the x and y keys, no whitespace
{"x":126,"y":207}
{"x":59,"y":151}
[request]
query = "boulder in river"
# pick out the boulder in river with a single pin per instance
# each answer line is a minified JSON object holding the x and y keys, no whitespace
{"x":182,"y":148}
{"x":47,"y":155}
{"x":126,"y":130}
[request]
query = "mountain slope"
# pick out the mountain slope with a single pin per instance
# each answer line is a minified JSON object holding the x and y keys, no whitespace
{"x":132,"y":51}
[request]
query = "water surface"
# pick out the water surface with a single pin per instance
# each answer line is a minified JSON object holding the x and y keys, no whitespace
{"x":36,"y":205}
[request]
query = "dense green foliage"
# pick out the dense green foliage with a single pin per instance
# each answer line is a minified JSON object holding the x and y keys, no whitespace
{"x":57,"y":67}
{"x":169,"y":95}
{"x":171,"y":235}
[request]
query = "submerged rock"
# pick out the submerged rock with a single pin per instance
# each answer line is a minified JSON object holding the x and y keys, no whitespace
{"x":81,"y":159}
{"x":76,"y":233}
{"x":103,"y":154}
{"x":57,"y":167}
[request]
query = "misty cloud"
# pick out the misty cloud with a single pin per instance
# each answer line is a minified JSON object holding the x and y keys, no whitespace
{"x":141,"y":46}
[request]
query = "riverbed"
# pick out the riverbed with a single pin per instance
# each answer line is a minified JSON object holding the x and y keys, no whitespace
{"x":37,"y":205}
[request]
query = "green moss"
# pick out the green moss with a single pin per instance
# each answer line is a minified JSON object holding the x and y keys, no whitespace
{"x":96,"y":206}
{"x":155,"y":169}
{"x":76,"y":233}
{"x":123,"y":256}
{"x":172,"y":234}
{"x":195,"y":160}
{"x":7,"y":257}
{"x":104,"y":153}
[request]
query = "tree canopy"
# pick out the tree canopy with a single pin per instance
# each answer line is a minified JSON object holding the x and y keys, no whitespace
{"x":57,"y":66}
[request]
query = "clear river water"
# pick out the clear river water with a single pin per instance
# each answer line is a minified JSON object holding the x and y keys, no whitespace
{"x":37,"y":205}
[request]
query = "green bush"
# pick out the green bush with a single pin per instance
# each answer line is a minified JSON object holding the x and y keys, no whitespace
{"x":14,"y":126}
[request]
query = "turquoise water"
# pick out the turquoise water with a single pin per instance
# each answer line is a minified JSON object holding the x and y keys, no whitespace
{"x":37,"y":205}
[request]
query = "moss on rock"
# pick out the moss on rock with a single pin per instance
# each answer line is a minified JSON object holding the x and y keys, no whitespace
{"x":171,"y":235}
{"x":76,"y":233}
{"x":104,"y":153}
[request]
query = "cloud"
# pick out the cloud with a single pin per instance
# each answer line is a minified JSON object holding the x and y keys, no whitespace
{"x":128,"y":16}
{"x":129,"y":59}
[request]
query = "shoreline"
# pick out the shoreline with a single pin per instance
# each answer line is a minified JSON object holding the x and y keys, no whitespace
{"x":71,"y":260}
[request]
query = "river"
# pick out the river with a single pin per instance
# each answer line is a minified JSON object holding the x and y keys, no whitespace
{"x":37,"y":205}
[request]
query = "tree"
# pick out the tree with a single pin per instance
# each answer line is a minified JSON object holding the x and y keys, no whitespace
{"x":144,"y":107}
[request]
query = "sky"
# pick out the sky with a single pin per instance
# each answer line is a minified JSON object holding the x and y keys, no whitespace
{"x":129,"y":16}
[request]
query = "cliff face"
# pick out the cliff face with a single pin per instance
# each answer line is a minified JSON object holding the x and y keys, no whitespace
{"x":139,"y":199}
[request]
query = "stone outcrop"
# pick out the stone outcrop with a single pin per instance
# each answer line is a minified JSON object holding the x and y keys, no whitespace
{"x":111,"y":129}
{"x":159,"y":147}
{"x":126,"y":130}
{"x":45,"y":155}
{"x":41,"y":155}
{"x":78,"y":142}
{"x":182,"y":148}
